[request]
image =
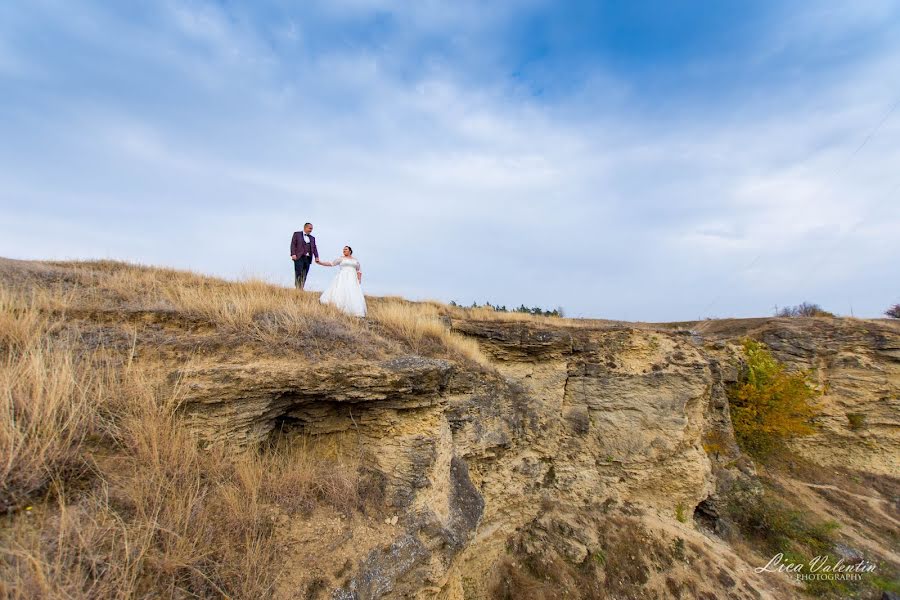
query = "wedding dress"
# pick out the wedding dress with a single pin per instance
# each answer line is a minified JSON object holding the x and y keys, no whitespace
{"x":345,"y":291}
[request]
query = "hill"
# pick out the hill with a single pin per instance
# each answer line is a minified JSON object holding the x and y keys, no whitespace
{"x":166,"y":434}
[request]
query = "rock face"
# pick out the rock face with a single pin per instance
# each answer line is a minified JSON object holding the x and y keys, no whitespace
{"x":857,"y":363}
{"x":578,"y":438}
{"x":578,"y":417}
{"x":585,"y":460}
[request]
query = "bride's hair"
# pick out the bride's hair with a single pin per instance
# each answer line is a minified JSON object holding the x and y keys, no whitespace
{"x":349,"y":248}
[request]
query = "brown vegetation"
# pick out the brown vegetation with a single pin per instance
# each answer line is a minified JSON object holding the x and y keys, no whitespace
{"x":105,"y":493}
{"x":422,"y":328}
{"x":804,"y":309}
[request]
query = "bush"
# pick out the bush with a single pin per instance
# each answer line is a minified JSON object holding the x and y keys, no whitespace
{"x":716,"y":442}
{"x":856,"y":421}
{"x":768,"y":404}
{"x":766,"y":519}
{"x":772,"y":524}
{"x":893,"y":312}
{"x":804,"y":309}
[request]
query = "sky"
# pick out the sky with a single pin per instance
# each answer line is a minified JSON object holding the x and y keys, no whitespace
{"x":650,"y":161}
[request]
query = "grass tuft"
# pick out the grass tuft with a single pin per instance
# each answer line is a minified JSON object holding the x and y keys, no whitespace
{"x":421,"y":327}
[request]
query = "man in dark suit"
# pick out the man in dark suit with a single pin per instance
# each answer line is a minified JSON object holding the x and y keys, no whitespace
{"x":303,"y":249}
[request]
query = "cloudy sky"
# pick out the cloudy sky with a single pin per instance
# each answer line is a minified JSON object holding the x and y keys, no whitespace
{"x":628,"y":160}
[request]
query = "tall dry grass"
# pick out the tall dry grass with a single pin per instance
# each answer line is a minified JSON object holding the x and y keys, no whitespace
{"x":106,"y":495}
{"x":272,"y":314}
{"x":486,"y":313}
{"x":166,"y":518}
{"x":422,"y":328}
{"x":50,"y":398}
{"x":267,"y":312}
{"x":254,"y":309}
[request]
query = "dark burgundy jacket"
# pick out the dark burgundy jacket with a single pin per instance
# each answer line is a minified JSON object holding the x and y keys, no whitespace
{"x":298,"y":245}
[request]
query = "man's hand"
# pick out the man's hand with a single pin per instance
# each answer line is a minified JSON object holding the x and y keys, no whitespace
{"x":293,"y":257}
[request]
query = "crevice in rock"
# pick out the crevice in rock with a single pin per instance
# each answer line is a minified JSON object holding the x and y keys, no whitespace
{"x":706,"y":515}
{"x":286,"y":425}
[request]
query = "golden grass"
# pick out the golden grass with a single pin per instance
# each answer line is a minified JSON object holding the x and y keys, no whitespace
{"x":125,"y":502}
{"x":486,"y":313}
{"x":420,"y":325}
{"x":105,"y":494}
{"x":50,"y":398}
{"x":165,"y":518}
{"x":273,"y":314}
{"x":234,"y":304}
{"x":253,"y":309}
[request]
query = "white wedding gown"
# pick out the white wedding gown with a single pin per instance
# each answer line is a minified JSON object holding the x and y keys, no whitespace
{"x":345,"y":291}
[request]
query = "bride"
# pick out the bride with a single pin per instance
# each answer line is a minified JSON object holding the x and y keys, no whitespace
{"x":345,"y":291}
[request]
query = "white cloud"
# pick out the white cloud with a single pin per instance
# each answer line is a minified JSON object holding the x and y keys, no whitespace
{"x":453,"y":188}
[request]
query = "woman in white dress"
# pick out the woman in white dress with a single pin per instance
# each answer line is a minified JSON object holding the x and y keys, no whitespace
{"x":345,"y":291}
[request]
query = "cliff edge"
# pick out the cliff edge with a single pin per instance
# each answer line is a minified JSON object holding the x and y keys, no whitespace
{"x":499,"y":456}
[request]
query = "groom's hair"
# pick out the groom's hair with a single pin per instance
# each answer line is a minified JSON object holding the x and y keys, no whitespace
{"x":305,"y":224}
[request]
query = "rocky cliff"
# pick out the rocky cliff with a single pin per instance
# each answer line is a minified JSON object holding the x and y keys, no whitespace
{"x":501,"y":457}
{"x":579,"y":450}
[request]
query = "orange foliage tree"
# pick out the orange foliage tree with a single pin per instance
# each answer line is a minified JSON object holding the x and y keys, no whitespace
{"x":770,"y":405}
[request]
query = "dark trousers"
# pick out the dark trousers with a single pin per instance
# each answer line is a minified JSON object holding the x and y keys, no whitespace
{"x":301,"y":269}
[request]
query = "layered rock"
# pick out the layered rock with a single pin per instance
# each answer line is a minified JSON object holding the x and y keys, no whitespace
{"x":857,"y":364}
{"x":574,"y":430}
{"x":573,"y":416}
{"x":587,"y":459}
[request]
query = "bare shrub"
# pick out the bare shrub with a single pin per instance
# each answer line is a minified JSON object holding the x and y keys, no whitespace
{"x":804,"y":309}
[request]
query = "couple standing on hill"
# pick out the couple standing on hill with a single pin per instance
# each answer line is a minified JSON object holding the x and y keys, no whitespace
{"x":345,"y":291}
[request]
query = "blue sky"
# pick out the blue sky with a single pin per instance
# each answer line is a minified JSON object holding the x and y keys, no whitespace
{"x":627,"y":160}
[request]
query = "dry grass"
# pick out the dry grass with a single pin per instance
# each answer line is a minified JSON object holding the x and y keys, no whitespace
{"x":269,"y":313}
{"x":50,"y":399}
{"x":165,"y":518}
{"x":254,"y":308}
{"x":486,"y":313}
{"x":421,"y":327}
{"x":106,"y":495}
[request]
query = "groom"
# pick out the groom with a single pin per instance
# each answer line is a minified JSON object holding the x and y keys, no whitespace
{"x":303,"y":249}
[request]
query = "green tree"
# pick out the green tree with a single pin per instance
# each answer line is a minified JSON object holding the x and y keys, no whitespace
{"x":770,"y":405}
